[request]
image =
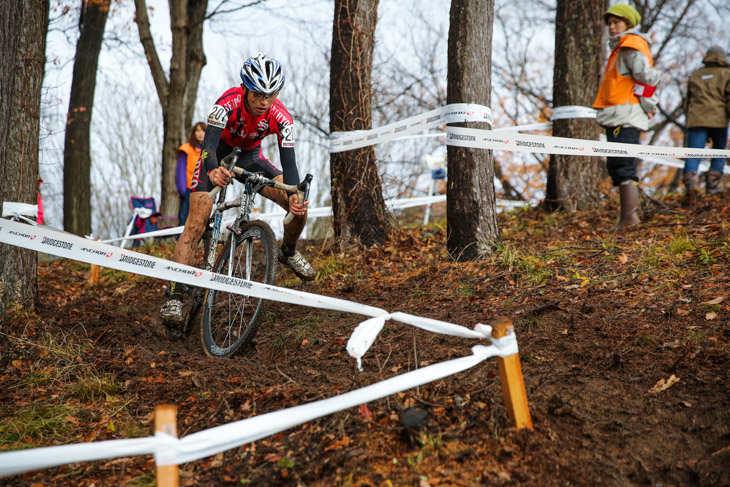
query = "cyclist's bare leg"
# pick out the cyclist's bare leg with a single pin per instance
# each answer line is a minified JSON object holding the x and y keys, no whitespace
{"x":294,"y":228}
{"x":173,"y":314}
{"x":292,"y":231}
{"x":200,"y":207}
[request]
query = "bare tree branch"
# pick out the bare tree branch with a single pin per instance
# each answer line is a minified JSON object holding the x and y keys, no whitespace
{"x":145,"y":35}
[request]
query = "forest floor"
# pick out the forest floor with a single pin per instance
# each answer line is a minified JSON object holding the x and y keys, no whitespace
{"x":624,"y":343}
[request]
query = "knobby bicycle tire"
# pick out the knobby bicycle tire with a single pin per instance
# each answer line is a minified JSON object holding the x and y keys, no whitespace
{"x":230,"y":320}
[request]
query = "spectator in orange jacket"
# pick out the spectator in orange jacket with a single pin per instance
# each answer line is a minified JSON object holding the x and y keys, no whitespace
{"x":187,"y":157}
{"x":626,"y":101}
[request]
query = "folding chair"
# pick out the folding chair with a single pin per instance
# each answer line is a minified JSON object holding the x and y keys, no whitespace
{"x":144,"y":219}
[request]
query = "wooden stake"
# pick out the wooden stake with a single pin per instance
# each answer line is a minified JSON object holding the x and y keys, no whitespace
{"x":94,"y":271}
{"x":94,"y":274}
{"x":166,"y":422}
{"x":513,"y":384}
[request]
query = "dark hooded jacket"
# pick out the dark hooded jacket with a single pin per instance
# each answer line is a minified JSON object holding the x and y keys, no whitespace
{"x":708,"y":93}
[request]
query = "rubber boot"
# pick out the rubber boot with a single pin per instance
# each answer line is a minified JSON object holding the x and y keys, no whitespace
{"x":691,"y":187}
{"x":712,"y":182}
{"x":629,"y":197}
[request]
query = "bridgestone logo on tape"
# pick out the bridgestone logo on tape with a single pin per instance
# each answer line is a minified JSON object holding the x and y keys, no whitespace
{"x":462,"y":137}
{"x":57,"y":243}
{"x":137,"y":261}
{"x":530,"y":144}
{"x":232,"y":281}
{"x":608,"y":151}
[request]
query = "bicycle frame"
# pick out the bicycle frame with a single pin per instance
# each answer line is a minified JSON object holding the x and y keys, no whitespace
{"x":253,"y":183}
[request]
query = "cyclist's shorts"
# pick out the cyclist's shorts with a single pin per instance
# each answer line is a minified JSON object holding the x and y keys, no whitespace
{"x":252,"y":160}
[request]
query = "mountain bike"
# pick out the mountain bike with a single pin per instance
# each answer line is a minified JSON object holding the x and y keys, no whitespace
{"x":249,"y":252}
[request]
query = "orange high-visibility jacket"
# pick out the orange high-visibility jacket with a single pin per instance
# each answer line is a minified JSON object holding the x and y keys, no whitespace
{"x":620,"y":90}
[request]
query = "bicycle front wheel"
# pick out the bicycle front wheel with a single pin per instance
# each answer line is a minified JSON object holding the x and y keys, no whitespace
{"x":230,"y":320}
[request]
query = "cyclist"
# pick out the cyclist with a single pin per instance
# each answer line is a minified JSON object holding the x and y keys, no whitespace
{"x":242,"y":117}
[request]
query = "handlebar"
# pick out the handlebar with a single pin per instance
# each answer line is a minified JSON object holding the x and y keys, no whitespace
{"x":229,"y":163}
{"x":301,"y":189}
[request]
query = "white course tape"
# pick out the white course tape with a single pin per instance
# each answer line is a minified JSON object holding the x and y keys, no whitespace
{"x":215,"y":440}
{"x":169,"y":450}
{"x":669,"y":156}
{"x":15,"y":462}
{"x":173,"y":451}
{"x":322,"y":211}
{"x":19,"y":209}
{"x":572,"y":111}
{"x":489,"y":139}
{"x":456,"y":112}
{"x":366,"y":333}
{"x":44,"y":239}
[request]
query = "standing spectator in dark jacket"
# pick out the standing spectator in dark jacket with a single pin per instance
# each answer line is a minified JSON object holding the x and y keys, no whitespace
{"x":707,"y":107}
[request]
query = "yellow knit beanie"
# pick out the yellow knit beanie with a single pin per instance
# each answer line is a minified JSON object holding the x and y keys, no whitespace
{"x":624,"y":11}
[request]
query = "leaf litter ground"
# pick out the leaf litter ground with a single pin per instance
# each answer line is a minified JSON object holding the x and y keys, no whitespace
{"x":624,"y":343}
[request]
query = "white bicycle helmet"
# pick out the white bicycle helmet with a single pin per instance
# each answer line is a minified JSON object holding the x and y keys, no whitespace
{"x":263,"y":74}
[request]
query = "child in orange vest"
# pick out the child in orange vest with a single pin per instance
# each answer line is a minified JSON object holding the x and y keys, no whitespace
{"x":626,"y":101}
{"x":187,"y":158}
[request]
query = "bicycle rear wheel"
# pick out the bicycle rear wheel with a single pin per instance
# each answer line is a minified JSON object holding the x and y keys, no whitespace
{"x":230,"y":320}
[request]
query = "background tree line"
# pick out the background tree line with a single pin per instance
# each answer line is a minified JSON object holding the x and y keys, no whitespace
{"x":372,"y":80}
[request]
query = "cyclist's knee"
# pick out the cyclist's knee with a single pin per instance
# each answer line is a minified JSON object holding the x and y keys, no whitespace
{"x":277,"y":196}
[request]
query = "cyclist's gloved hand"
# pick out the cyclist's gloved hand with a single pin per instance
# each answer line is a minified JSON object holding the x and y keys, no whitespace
{"x":220,"y":176}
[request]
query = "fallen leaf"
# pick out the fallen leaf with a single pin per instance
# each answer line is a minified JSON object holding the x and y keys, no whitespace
{"x":663,"y":385}
{"x":717,"y":300}
{"x":367,"y":414}
{"x":711,"y":315}
{"x":623,"y":258}
{"x":682,"y":312}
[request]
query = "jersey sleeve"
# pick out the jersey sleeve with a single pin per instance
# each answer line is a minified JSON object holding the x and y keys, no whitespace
{"x":217,"y":120}
{"x":289,"y":165}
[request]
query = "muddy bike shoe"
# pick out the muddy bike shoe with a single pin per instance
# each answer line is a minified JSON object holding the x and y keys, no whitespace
{"x":173,"y":319}
{"x":299,"y":265}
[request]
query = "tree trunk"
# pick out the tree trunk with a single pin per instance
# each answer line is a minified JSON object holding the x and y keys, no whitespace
{"x":24,"y":60}
{"x":77,"y":147}
{"x":470,"y":202}
{"x":196,"y":57}
{"x":359,"y":214}
{"x":10,"y":14}
{"x":573,"y":181}
{"x":177,"y":95}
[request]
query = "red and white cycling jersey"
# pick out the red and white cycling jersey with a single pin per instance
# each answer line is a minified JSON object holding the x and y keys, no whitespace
{"x":244,"y":130}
